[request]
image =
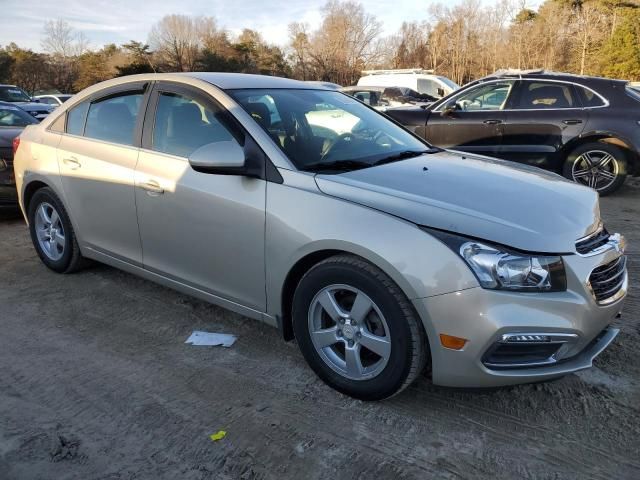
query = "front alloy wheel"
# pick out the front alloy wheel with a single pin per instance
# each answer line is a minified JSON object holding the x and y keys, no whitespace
{"x":357,"y":330}
{"x":349,"y":332}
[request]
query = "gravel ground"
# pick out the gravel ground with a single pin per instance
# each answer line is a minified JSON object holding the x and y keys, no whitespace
{"x":96,"y":383}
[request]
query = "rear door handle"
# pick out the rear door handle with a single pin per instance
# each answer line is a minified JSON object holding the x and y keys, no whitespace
{"x":152,"y":187}
{"x":72,"y":162}
{"x":493,"y":121}
{"x":573,"y":121}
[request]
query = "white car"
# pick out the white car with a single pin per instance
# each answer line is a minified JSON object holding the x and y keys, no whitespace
{"x":56,"y":99}
{"x":422,"y":81}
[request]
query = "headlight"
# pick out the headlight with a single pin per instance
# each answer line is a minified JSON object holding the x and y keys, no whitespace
{"x":499,"y":268}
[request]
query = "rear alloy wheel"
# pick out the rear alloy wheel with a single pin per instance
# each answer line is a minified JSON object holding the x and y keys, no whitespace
{"x":601,"y":166}
{"x":357,"y":330}
{"x":52,"y":234}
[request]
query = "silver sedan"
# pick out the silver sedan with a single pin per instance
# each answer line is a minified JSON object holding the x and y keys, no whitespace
{"x":301,"y":207}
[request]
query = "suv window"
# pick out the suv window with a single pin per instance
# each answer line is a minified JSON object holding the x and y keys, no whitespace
{"x":113,"y":119}
{"x":184,"y":124}
{"x":75,"y":118}
{"x":428,"y":86}
{"x":588,"y":98}
{"x":492,"y":96}
{"x":546,"y":95}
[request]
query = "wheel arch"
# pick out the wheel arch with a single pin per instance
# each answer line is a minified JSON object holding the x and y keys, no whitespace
{"x":29,"y":191}
{"x":633,"y":160}
{"x":308,"y":261}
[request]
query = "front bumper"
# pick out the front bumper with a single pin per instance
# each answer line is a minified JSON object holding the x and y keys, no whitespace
{"x":483,"y":316}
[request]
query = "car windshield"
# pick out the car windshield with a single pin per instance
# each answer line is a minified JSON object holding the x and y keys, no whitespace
{"x":14,"y":117}
{"x":450,"y":83}
{"x":323,"y":130}
{"x":13,"y":94}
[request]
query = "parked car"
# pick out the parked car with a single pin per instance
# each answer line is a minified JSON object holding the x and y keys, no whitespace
{"x":422,"y":81}
{"x":12,"y":122}
{"x":376,"y":251}
{"x":382,"y":98}
{"x":20,"y":98}
{"x":55,"y":99}
{"x":585,"y":128}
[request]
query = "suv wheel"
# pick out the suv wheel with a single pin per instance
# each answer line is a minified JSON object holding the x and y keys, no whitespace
{"x":357,"y":330}
{"x":52,"y":234}
{"x":601,"y":166}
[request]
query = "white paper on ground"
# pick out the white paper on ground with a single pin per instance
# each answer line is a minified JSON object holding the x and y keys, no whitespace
{"x":206,"y":338}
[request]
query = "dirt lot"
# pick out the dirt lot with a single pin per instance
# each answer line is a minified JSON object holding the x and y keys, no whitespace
{"x":96,"y":383}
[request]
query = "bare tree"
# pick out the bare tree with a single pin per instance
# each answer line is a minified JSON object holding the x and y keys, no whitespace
{"x":177,"y":41}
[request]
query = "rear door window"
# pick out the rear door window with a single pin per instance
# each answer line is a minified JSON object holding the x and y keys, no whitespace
{"x":114,"y":119}
{"x":546,"y":95}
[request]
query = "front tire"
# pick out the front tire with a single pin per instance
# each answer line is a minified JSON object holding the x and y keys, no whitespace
{"x":357,"y":330}
{"x":601,"y":166}
{"x":52,"y":233}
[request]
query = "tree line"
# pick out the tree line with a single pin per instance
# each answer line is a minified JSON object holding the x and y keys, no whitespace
{"x":463,"y":42}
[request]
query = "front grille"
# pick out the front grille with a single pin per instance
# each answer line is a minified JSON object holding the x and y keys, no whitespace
{"x":592,"y":242}
{"x":607,"y":280}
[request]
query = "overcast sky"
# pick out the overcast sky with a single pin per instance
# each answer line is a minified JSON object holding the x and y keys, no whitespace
{"x":118,"y":21}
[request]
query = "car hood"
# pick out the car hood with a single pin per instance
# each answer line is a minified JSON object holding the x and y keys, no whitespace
{"x":514,"y":205}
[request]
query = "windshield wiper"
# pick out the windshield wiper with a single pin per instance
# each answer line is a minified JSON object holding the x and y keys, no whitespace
{"x":404,"y":155}
{"x":339,"y":165}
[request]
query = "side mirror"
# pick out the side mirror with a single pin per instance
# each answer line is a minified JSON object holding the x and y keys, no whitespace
{"x":441,"y":92}
{"x":35,"y":100}
{"x":223,"y":158}
{"x":449,"y":109}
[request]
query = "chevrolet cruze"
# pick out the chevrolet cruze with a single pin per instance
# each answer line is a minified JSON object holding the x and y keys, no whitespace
{"x":306,"y":209}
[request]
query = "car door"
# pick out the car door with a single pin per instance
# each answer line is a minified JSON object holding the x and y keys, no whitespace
{"x":97,"y":157}
{"x":545,"y":115}
{"x":472,"y":121}
{"x":203,"y":230}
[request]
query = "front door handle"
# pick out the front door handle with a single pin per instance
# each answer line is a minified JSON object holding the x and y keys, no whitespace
{"x":152,"y":187}
{"x":573,"y":121}
{"x":493,"y":121}
{"x":72,"y":162}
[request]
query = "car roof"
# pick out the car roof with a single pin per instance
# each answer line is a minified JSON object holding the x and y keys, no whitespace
{"x":546,"y":75}
{"x":231,"y":81}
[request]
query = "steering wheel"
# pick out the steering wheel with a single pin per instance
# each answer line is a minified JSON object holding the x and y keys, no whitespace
{"x":342,"y":138}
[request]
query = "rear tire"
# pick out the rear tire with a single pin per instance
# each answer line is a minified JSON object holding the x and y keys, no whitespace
{"x":357,"y":330}
{"x":599,"y":165}
{"x":52,"y":233}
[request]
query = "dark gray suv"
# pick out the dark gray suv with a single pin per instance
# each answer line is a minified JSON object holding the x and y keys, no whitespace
{"x":585,"y":128}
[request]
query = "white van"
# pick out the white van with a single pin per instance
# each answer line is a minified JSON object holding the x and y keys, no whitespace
{"x":422,"y":81}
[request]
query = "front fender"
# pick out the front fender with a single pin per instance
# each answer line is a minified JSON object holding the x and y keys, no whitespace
{"x":418,"y":263}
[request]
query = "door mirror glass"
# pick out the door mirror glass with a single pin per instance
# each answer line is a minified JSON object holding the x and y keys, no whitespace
{"x":223,"y":157}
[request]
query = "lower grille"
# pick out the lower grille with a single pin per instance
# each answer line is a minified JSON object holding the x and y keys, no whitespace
{"x":607,"y":280}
